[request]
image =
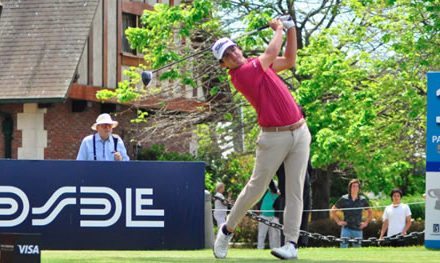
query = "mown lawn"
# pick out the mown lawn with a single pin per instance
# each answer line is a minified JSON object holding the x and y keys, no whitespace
{"x":367,"y":255}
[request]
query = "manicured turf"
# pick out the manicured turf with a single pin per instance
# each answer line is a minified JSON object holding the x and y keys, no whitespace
{"x":334,"y":255}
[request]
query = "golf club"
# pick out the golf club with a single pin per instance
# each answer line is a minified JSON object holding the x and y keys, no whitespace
{"x":147,"y":76}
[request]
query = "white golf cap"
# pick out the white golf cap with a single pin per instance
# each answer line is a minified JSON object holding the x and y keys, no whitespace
{"x":220,"y":46}
{"x":104,"y":118}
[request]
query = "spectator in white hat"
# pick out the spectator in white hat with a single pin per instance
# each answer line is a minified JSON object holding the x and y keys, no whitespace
{"x":103,"y":145}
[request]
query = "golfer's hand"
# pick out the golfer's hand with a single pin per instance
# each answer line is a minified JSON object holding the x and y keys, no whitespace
{"x":287,"y":21}
{"x":118,"y":156}
{"x":276,"y":24}
{"x":341,"y":223}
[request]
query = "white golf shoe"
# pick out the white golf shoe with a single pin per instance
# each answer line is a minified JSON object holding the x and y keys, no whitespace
{"x":221,"y":243}
{"x":288,"y":251}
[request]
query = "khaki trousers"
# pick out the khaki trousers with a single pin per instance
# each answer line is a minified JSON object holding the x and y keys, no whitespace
{"x":274,"y":148}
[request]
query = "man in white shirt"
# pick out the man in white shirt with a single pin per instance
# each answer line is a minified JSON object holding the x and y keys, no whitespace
{"x":396,"y":217}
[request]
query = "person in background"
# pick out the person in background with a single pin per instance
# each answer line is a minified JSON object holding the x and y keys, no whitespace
{"x":352,"y":224}
{"x":267,"y":212}
{"x":103,"y":145}
{"x":396,"y":217}
{"x":220,"y":204}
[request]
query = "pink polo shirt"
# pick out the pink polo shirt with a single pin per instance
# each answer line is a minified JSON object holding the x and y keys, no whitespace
{"x":267,"y":93}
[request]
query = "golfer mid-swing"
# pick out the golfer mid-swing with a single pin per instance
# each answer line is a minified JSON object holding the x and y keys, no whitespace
{"x":284,"y":136}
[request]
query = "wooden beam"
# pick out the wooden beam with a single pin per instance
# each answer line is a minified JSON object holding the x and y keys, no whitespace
{"x":83,"y":92}
{"x":131,"y":60}
{"x":119,"y":43}
{"x":104,"y":43}
{"x":90,"y":58}
{"x":88,"y":93}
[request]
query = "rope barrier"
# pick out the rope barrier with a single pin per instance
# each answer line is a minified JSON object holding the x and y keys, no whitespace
{"x":323,"y":210}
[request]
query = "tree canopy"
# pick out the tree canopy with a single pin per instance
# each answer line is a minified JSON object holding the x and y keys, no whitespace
{"x":360,"y":77}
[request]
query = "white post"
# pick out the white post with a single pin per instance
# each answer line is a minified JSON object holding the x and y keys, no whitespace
{"x":209,"y":225}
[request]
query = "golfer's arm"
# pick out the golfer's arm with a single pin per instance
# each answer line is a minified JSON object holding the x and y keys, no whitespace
{"x":272,"y":50}
{"x":289,"y":59}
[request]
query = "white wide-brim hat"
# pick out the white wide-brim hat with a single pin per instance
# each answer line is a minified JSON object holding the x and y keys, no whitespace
{"x":104,"y":118}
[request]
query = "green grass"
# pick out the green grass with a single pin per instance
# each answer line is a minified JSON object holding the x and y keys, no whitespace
{"x":366,"y":255}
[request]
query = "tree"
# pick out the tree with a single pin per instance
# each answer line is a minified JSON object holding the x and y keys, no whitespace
{"x":360,"y":77}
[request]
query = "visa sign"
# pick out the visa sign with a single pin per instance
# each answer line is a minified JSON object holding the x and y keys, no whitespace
{"x":95,"y":202}
{"x":28,"y":249}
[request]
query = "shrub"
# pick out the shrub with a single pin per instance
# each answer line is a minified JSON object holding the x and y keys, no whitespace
{"x":158,"y":152}
{"x":246,"y":232}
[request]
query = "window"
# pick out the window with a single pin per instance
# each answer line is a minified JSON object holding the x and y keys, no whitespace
{"x":108,"y":108}
{"x":128,"y":20}
{"x":79,"y":105}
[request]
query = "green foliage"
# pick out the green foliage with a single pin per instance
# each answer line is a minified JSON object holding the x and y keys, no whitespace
{"x":361,"y":81}
{"x":246,"y":232}
{"x":126,"y":91}
{"x":367,"y":109}
{"x":160,"y":39}
{"x":141,"y":117}
{"x":233,"y":170}
{"x":166,"y":27}
{"x":157,"y":152}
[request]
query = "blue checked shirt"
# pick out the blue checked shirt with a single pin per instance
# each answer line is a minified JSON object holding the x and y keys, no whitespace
{"x":104,"y":149}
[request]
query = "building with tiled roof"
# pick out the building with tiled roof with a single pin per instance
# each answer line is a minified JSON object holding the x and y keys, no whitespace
{"x":54,"y":56}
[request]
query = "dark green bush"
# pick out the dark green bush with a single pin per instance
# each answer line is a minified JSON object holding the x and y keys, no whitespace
{"x":159,"y":153}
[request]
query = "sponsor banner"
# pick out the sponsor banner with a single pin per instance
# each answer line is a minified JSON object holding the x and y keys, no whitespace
{"x":104,"y":205}
{"x":23,"y":248}
{"x":432,"y":210}
{"x":432,"y":220}
{"x":433,"y":118}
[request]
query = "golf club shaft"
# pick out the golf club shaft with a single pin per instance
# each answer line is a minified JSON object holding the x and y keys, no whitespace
{"x":206,"y":49}
{"x":182,"y":59}
{"x":250,"y":33}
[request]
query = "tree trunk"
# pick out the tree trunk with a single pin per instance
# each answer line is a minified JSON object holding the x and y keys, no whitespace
{"x":238,"y":134}
{"x":320,"y":193}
